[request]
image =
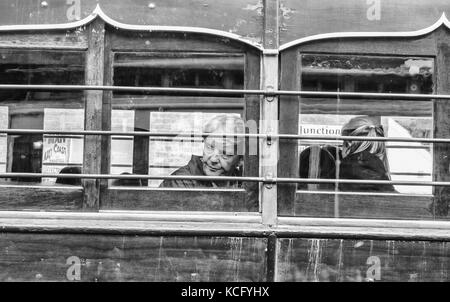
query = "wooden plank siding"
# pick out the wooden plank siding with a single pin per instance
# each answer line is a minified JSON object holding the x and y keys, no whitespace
{"x":41,"y":198}
{"x":339,"y":260}
{"x":361,"y":205}
{"x":441,"y":160}
{"x":179,"y":200}
{"x":44,"y":257}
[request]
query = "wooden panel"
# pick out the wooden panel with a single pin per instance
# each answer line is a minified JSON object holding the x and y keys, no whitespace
{"x":362,"y":260}
{"x":441,"y":124}
{"x":363,"y":206}
{"x":305,"y":18}
{"x":252,"y":113}
{"x":289,"y":111}
{"x":177,"y":200}
{"x":94,"y":75}
{"x":157,"y":41}
{"x":106,"y":115}
{"x":366,"y":107}
{"x":183,"y":103}
{"x":55,"y":39}
{"x":420,"y":46}
{"x":34,"y":257}
{"x":50,"y":199}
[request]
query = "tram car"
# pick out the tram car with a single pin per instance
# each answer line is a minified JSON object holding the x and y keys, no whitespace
{"x":215,"y":141}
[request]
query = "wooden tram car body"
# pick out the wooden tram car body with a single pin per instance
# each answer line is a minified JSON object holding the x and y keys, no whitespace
{"x":102,"y":229}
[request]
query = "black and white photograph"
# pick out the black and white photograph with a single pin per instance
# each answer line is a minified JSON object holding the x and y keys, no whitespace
{"x":224,"y":147}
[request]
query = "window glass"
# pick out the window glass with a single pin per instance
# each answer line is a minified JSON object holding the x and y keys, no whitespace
{"x":365,"y":160}
{"x":178,"y":114}
{"x":39,"y":109}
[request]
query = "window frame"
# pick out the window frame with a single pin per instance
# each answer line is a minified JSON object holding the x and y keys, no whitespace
{"x":374,"y":205}
{"x":266,"y":224}
{"x":48,"y":198}
{"x":120,"y":41}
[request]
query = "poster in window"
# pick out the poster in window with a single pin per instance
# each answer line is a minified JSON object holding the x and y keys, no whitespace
{"x":122,"y":146}
{"x":3,"y":138}
{"x":60,"y":151}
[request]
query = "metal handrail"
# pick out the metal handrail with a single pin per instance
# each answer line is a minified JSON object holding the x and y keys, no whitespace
{"x":371,"y":95}
{"x":266,"y":180}
{"x":204,"y":134}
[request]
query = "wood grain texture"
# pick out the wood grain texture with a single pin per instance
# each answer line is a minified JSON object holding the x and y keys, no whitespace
{"x":75,"y":39}
{"x":171,"y":200}
{"x":94,"y":74}
{"x":340,"y":260}
{"x":159,"y":41}
{"x":304,"y":18}
{"x":252,"y":116}
{"x":363,"y":206}
{"x":418,"y":46}
{"x":50,"y":199}
{"x":441,"y":124}
{"x":289,"y":112}
{"x":34,"y":257}
{"x":366,"y":107}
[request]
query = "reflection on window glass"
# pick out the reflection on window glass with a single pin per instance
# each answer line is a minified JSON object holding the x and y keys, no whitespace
{"x":37,"y":109}
{"x":368,"y":160}
{"x":168,"y":155}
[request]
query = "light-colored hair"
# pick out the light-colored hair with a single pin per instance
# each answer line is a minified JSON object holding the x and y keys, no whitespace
{"x":364,"y":126}
{"x":229,"y":124}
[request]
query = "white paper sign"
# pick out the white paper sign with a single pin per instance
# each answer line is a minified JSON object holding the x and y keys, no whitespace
{"x":61,"y":150}
{"x":122,"y":146}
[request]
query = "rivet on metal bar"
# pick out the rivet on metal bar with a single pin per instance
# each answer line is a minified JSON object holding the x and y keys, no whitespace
{"x":269,"y":181}
{"x":270,"y":93}
{"x":269,"y":137}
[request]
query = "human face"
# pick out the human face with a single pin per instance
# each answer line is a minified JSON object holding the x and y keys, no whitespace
{"x":218,"y":157}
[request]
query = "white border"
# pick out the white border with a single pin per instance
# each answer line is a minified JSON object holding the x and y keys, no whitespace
{"x":98,"y":12}
{"x":442,"y":21}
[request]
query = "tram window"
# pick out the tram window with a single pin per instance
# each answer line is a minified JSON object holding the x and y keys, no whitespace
{"x":365,"y":160}
{"x":179,"y":114}
{"x":38,"y":109}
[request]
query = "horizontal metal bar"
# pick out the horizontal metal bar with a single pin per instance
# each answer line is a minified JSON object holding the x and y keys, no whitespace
{"x":228,"y":178}
{"x":130,"y":176}
{"x":250,"y":135}
{"x":134,"y":89}
{"x":371,"y":95}
{"x":361,"y":181}
{"x":361,"y":138}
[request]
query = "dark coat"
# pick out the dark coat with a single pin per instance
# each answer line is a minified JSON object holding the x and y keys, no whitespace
{"x":194,"y":168}
{"x":364,"y":165}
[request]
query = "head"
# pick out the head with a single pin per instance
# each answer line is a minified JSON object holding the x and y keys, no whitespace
{"x":223,"y":155}
{"x":69,"y":181}
{"x":363,"y":126}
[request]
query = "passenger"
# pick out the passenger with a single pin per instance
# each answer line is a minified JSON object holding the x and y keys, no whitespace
{"x":222,"y":156}
{"x":364,"y":159}
{"x":132,"y":182}
{"x":327,"y":158}
{"x":69,"y":181}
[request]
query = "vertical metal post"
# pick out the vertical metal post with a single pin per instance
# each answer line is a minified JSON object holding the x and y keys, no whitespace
{"x":269,"y":113}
